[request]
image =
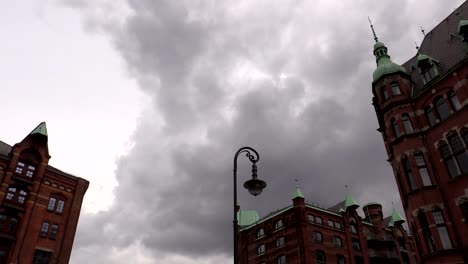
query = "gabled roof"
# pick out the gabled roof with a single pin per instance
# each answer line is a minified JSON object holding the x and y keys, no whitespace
{"x":444,"y":44}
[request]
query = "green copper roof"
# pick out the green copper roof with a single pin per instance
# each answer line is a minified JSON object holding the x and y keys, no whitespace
{"x":246,"y":218}
{"x":379,"y":45}
{"x":350,"y":202}
{"x":384,"y":64}
{"x":396,"y":217}
{"x":298,"y":193}
{"x":40,"y":129}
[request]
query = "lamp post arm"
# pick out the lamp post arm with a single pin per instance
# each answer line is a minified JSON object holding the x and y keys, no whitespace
{"x":253,"y":156}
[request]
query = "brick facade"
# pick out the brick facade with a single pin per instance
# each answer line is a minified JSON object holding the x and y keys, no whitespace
{"x":423,"y":119}
{"x":303,"y":233}
{"x":39,"y":204}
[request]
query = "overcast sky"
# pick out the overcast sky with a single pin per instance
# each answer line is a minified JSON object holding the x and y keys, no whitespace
{"x":149,"y":100}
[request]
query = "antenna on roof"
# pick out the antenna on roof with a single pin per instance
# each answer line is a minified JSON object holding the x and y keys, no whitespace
{"x":422,"y":30}
{"x":373,"y":31}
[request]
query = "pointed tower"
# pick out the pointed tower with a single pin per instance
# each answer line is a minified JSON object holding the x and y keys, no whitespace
{"x":350,"y":202}
{"x":397,"y":219}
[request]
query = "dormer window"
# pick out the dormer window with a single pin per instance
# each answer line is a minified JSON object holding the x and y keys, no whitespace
{"x":427,"y":67}
{"x":396,"y":88}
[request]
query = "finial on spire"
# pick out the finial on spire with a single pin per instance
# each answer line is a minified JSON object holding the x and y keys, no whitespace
{"x":417,"y":47}
{"x":297,"y":182}
{"x":373,"y":31}
{"x":424,"y":32}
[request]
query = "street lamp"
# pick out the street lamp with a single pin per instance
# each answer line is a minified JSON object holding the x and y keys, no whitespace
{"x":254,"y":185}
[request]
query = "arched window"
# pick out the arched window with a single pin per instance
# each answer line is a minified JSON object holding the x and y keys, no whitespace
{"x":459,"y":151}
{"x":442,"y":228}
{"x":16,"y":195}
{"x":427,"y":234}
{"x":421,"y":164}
{"x":396,"y":129}
{"x":396,"y":88}
{"x":442,"y":108}
{"x":454,"y":100}
{"x":407,"y":123}
{"x":448,"y":159}
{"x":409,"y":172}
{"x":384,"y":92}
{"x":431,"y":119}
{"x":321,"y":257}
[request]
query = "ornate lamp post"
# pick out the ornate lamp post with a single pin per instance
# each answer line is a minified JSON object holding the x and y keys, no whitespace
{"x":254,"y":185}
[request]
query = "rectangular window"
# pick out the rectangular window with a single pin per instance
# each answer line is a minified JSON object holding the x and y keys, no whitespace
{"x":356,"y":245}
{"x":438,"y":217}
{"x":338,"y":225}
{"x":19,"y":167}
{"x":280,"y":242}
{"x":318,"y":220}
{"x":60,"y":206}
{"x":51,"y":205}
{"x":281,"y":259}
{"x":42,"y":257}
{"x":53,"y":231}
{"x":330,"y":223}
{"x":444,"y":237}
{"x":261,"y":249}
{"x":459,"y":152}
{"x":426,"y":179}
{"x":317,"y":237}
{"x":338,"y":241}
{"x":409,"y":173}
{"x":30,"y":171}
{"x":278,"y":224}
{"x":449,"y":161}
{"x":311,"y":218}
{"x":45,"y":229}
{"x":260,"y":233}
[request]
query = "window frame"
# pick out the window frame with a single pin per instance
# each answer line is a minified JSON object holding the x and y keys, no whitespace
{"x":317,"y":236}
{"x":261,"y":249}
{"x":320,"y":256}
{"x":454,"y":100}
{"x":442,"y":107}
{"x":395,"y":128}
{"x":407,"y":124}
{"x":279,"y":224}
{"x":430,"y":115}
{"x":280,"y":242}
{"x":338,"y":241}
{"x":422,"y":169}
{"x":44,"y":232}
{"x":395,"y":88}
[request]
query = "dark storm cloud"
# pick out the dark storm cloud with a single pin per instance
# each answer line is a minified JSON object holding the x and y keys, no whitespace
{"x":292,"y":80}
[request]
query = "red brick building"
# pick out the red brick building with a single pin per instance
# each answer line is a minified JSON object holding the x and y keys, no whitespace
{"x":39,"y":204}
{"x":421,"y":108}
{"x":303,"y":233}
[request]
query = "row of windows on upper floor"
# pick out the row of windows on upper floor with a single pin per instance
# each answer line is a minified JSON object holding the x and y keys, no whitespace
{"x":432,"y":236}
{"x":320,"y":257}
{"x":18,"y":196}
{"x":428,"y":73}
{"x":454,"y":154}
{"x":311,"y":218}
{"x":441,"y":112}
